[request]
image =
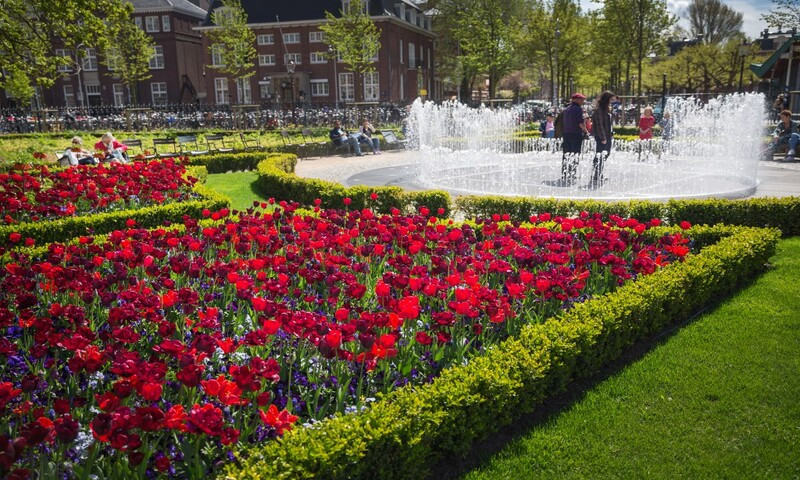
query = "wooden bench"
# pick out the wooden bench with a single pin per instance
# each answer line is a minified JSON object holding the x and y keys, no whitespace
{"x":172,"y":151}
{"x":250,"y":143}
{"x":133,"y":143}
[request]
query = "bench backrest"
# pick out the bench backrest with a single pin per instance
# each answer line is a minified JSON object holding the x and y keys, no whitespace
{"x":249,"y":142}
{"x":163,"y":141}
{"x":132,"y":143}
{"x":186,"y":139}
{"x":215,"y":137}
{"x":389,"y":136}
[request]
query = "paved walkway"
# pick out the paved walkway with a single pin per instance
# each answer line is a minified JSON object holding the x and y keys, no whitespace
{"x":777,"y":179}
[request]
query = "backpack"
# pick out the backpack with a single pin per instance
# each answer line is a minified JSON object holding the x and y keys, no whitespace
{"x":559,"y":125}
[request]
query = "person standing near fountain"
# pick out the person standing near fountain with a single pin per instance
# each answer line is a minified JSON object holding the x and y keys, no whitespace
{"x":574,"y":130}
{"x":603,"y":136}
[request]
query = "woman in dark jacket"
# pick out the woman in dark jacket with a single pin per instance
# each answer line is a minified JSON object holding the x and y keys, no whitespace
{"x":603,"y":136}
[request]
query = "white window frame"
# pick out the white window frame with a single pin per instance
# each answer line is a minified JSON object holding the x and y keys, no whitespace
{"x":412,"y":55}
{"x":216,"y":55}
{"x":319,"y":57}
{"x":90,"y":60}
{"x":372,"y":87}
{"x":401,"y":51}
{"x":316,"y":37}
{"x":151,"y":24}
{"x":266,"y":39}
{"x":92,"y":89}
{"x":158,"y":88}
{"x":157,"y":60}
{"x":296,"y":57}
{"x":64,"y":53}
{"x":266,"y":59}
{"x":264,"y":88}
{"x":119,"y":94}
{"x":69,"y":96}
{"x":320,"y":88}
{"x":166,"y":24}
{"x":244,"y":91}
{"x":291,"y":38}
{"x":221,"y":91}
{"x":112,"y":59}
{"x":347,"y":87}
{"x":138,"y":21}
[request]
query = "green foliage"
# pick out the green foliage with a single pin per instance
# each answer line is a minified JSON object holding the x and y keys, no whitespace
{"x":129,"y":56}
{"x":70,"y":227}
{"x":401,"y":435}
{"x":233,"y":40}
{"x":782,"y":213}
{"x":785,"y":14}
{"x":354,"y":36}
{"x":714,"y":20}
{"x":31,"y":29}
{"x":276,"y":179}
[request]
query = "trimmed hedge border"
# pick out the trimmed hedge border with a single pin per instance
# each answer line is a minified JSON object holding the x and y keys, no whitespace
{"x":63,"y":229}
{"x":276,"y":179}
{"x":403,"y":434}
{"x":782,"y":213}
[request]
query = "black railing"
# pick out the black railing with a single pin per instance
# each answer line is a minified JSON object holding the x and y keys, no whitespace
{"x":192,"y":117}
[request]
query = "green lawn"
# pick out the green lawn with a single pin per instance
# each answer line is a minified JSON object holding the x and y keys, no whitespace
{"x":719,"y":399}
{"x":237,"y":185}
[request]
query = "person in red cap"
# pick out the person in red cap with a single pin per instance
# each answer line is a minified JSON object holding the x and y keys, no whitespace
{"x":574,"y":130}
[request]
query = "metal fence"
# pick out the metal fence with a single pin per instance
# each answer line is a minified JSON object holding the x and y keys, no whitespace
{"x":193,"y":117}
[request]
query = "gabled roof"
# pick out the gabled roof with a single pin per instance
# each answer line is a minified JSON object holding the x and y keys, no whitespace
{"x":265,"y":11}
{"x":179,"y":6}
{"x":761,"y":69}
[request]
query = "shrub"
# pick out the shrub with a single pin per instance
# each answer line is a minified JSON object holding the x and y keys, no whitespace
{"x":404,"y":433}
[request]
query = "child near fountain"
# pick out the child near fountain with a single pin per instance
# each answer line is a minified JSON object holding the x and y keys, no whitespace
{"x":646,"y":124}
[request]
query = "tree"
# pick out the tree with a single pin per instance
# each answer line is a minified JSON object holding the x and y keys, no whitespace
{"x":232,"y":41}
{"x":785,"y":13}
{"x":129,"y":58}
{"x":31,"y":30}
{"x":354,"y":37}
{"x":714,"y":20}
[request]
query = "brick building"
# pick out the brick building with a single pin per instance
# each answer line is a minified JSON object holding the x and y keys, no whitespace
{"x":176,"y":69}
{"x":404,"y":67}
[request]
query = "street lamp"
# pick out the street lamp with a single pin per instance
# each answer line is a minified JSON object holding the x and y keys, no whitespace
{"x":331,"y":53}
{"x":290,"y":68}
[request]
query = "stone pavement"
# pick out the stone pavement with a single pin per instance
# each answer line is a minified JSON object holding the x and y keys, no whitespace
{"x":777,"y":179}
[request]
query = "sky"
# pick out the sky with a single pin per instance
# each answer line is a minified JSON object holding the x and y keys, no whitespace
{"x":752,"y":10}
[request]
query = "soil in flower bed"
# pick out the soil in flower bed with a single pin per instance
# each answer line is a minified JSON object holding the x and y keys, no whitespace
{"x":158,"y":351}
{"x":38,"y":193}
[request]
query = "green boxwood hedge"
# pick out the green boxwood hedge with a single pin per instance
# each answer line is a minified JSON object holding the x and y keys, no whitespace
{"x":782,"y":213}
{"x":403,"y":434}
{"x":66,"y":228}
{"x":276,"y":179}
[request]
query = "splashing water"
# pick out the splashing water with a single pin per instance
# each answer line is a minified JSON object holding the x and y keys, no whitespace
{"x":713,"y":151}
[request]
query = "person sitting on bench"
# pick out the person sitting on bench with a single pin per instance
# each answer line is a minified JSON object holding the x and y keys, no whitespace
{"x":77,"y":155}
{"x":112,"y":150}
{"x":785,"y":134}
{"x":367,"y":136}
{"x":339,"y":137}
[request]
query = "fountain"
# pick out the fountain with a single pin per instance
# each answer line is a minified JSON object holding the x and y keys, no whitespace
{"x":713,"y":152}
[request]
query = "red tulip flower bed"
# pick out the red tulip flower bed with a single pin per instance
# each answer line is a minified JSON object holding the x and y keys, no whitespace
{"x":158,"y":351}
{"x":42,"y":194}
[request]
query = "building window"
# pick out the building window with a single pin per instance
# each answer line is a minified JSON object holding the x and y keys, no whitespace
{"x":119,"y":95}
{"x":150,"y":24}
{"x":412,"y":55}
{"x":165,"y":24}
{"x":292,"y":57}
{"x":158,"y":91}
{"x":401,"y":51}
{"x":266,"y":60}
{"x":319,"y":57}
{"x":138,"y":21}
{"x":291,"y":38}
{"x":264,"y":89}
{"x":319,"y":88}
{"x":66,"y":67}
{"x":69,"y":96}
{"x":221,"y":90}
{"x":216,"y":55}
{"x":375,"y":57}
{"x":92,"y":89}
{"x":266,"y":39}
{"x":371,"y":86}
{"x":347,"y":91}
{"x":316,"y":37}
{"x":90,"y":60}
{"x":243,"y":91}
{"x":157,"y":60}
{"x":402,"y":87}
{"x":429,"y":58}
